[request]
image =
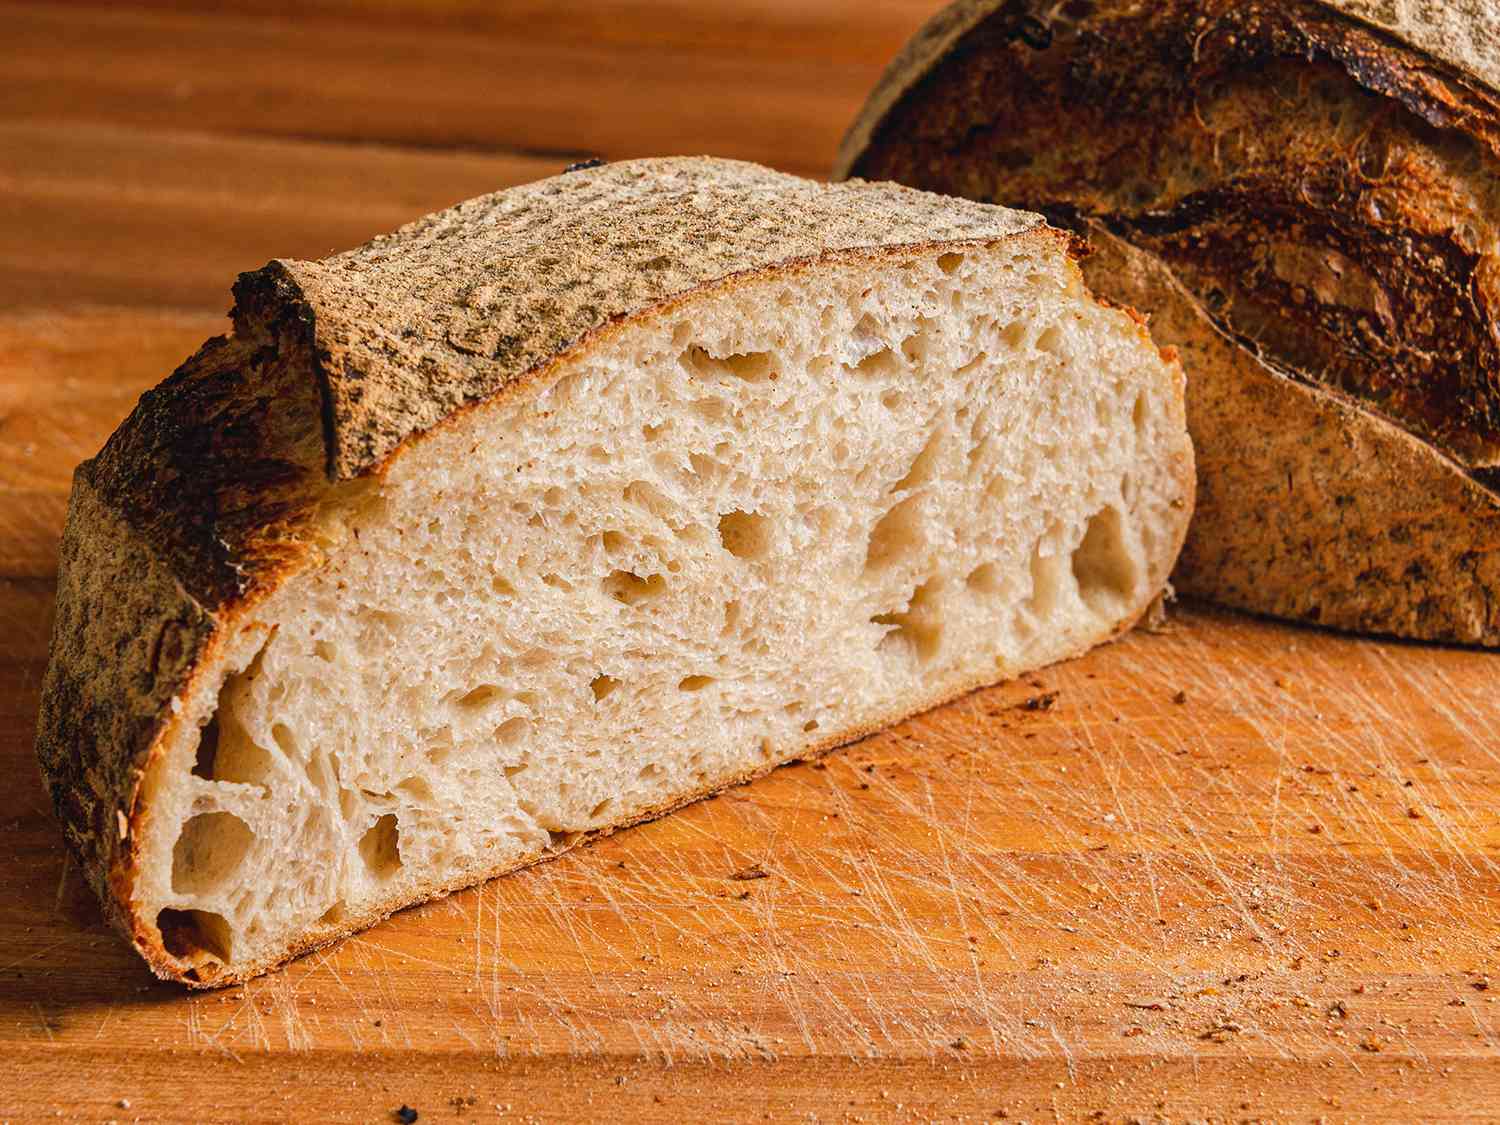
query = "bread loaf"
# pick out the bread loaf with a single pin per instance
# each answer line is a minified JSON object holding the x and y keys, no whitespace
{"x":576,"y":502}
{"x":1306,"y":195}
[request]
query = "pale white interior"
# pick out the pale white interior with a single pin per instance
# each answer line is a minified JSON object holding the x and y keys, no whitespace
{"x":778,"y":513}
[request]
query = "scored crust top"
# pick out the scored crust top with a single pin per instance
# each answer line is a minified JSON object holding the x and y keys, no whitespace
{"x":1465,"y":34}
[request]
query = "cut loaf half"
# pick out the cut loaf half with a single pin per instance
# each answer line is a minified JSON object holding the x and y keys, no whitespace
{"x":556,"y":510}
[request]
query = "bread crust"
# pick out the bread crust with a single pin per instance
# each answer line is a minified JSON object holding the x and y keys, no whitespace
{"x":1464,"y":34}
{"x":1309,"y":506}
{"x":213,"y":493}
{"x":1319,"y":202}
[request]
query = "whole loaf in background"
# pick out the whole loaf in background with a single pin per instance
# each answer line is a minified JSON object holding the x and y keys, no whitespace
{"x":1305,"y":199}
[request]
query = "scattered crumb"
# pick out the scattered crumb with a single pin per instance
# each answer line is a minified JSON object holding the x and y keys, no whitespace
{"x":406,"y":1115}
{"x":1179,"y":697}
{"x":1044,"y":702}
{"x":754,"y":871}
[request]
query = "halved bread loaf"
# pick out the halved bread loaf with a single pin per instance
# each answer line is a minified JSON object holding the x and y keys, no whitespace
{"x":1311,"y":190}
{"x":566,"y":506}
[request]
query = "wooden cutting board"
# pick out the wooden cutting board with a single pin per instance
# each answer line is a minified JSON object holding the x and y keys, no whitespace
{"x":1275,"y":899}
{"x":1227,"y":870}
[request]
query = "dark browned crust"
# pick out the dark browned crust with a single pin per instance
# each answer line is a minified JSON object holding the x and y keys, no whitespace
{"x":1329,"y":193}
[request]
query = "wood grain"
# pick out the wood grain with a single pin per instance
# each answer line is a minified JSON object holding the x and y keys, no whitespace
{"x":1279,"y":896}
{"x":1277,"y":899}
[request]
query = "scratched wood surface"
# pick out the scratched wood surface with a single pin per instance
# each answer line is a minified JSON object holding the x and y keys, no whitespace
{"x":1229,"y":871}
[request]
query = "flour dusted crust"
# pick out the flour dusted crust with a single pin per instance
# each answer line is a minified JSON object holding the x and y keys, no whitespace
{"x":236,"y":475}
{"x":1320,"y":183}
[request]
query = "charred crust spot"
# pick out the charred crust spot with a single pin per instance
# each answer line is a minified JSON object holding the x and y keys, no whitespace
{"x":581,"y":165}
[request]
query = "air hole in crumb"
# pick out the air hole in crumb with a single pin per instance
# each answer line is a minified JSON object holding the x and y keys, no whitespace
{"x":557,"y":841}
{"x":752,"y":367}
{"x":694,"y":683}
{"x":1013,"y":335}
{"x":1050,"y":341}
{"x":208,"y":749}
{"x":501,"y":585}
{"x":745,"y":535}
{"x":333,"y":915}
{"x":645,"y":495}
{"x":324,"y":651}
{"x":649,"y":770}
{"x":601,"y":685}
{"x":895,"y":536}
{"x":380,"y":847}
{"x":209,"y":850}
{"x":417,"y":789}
{"x":924,"y":465}
{"x":710,"y":409}
{"x":602,"y":808}
{"x":892,"y":399}
{"x":652,"y":433}
{"x":631,"y":589}
{"x":1046,"y":581}
{"x":615,"y":542}
{"x":557,"y":582}
{"x":199,"y":936}
{"x":918,"y":345}
{"x":1102,"y":564}
{"x":1138,"y":414}
{"x":282,"y":735}
{"x":511,"y":731}
{"x":917,"y":630}
{"x":517,"y":768}
{"x":810,"y":726}
{"x":481,"y":696}
{"x":949,"y":262}
{"x":878,"y":365}
{"x":987,"y":578}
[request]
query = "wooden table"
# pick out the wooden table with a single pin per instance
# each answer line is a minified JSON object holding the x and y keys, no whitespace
{"x":1236,"y":870}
